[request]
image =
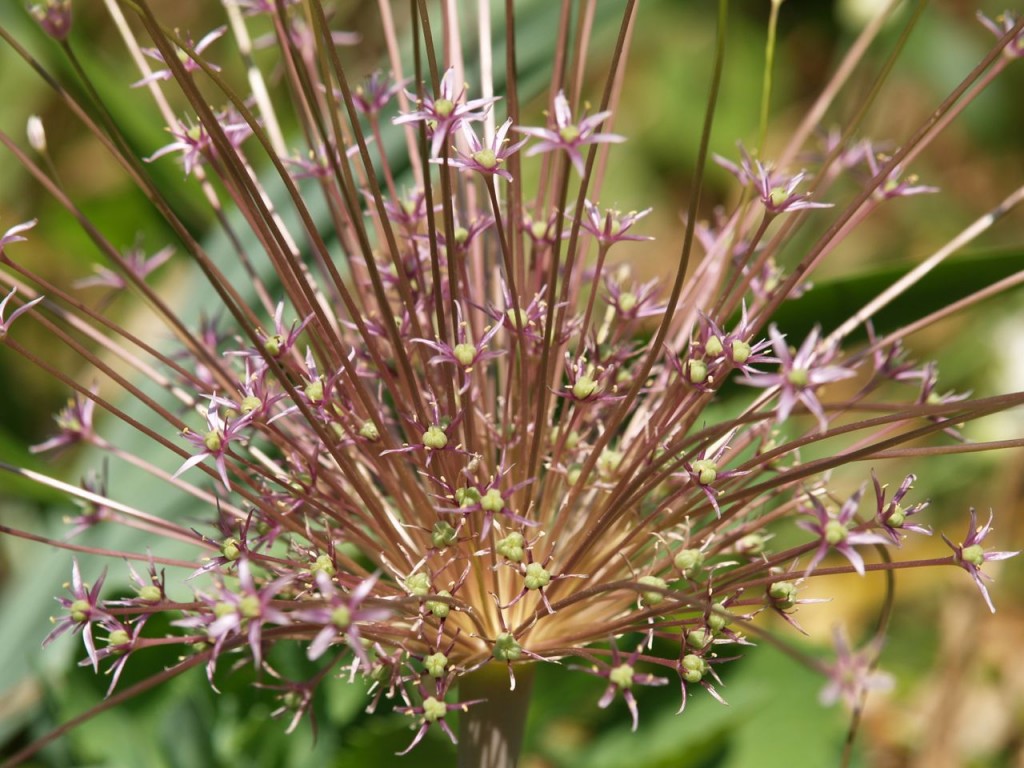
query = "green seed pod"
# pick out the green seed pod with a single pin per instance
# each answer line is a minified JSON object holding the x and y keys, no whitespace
{"x":740,"y":351}
{"x":688,"y":560}
{"x":440,"y":608}
{"x":231,"y":549}
{"x":718,"y":619}
{"x":324,"y":564}
{"x":835,"y":532}
{"x":627,"y":301}
{"x":783,"y":593}
{"x":443,"y":107}
{"x":536,"y":576}
{"x":652,"y":598}
{"x":506,"y":648}
{"x":250,"y":404}
{"x":621,"y":676}
{"x":584,"y":387}
{"x":974,"y":554}
{"x":150,"y":593}
{"x":435,"y":664}
{"x":693,"y":668}
{"x":272,"y":345}
{"x":249,"y":607}
{"x":512,"y":547}
{"x":492,"y":501}
{"x":464,"y":353}
{"x":706,"y":471}
{"x":442,"y":534}
{"x":433,"y":710}
{"x":119,"y":637}
{"x":418,"y":584}
{"x":696,"y":371}
{"x":486,"y":158}
{"x":434,"y":438}
{"x":213,"y":441}
{"x":315,"y":391}
{"x":698,"y":638}
{"x":80,"y":610}
{"x":341,"y":617}
{"x":713,"y":347}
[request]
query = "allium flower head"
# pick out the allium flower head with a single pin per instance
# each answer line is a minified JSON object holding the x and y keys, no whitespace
{"x":425,"y":431}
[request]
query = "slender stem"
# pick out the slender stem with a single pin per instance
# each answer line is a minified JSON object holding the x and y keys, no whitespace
{"x":491,"y":731}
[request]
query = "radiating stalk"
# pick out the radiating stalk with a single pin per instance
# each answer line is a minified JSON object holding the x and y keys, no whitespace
{"x":491,"y":732}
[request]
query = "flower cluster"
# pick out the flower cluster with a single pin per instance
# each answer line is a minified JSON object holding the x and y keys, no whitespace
{"x":433,"y":438}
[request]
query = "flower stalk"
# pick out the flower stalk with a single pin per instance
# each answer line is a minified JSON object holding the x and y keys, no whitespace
{"x":491,"y":733}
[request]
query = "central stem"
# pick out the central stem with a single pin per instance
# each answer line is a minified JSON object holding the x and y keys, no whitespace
{"x":491,"y":732}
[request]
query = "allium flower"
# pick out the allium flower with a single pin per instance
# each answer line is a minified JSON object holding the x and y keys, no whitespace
{"x":852,"y":676}
{"x":445,"y":114}
{"x":838,"y":531}
{"x":486,"y":159}
{"x":611,"y":226}
{"x":621,"y":675}
{"x":893,"y":515}
{"x":776,"y":190}
{"x":187,"y":61}
{"x":75,"y":422}
{"x":568,"y":135}
{"x":445,"y":438}
{"x":801,"y":373}
{"x":135,"y":261}
{"x":83,"y":608}
{"x":971,"y":555}
{"x":5,"y":322}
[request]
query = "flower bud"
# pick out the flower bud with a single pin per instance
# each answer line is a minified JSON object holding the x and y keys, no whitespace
{"x":36,"y":134}
{"x":54,"y":16}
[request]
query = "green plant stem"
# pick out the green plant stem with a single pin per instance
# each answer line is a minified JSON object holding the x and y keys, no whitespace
{"x":491,"y":732}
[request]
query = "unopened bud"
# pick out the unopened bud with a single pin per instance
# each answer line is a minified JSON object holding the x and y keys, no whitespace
{"x":36,"y":134}
{"x":54,"y":16}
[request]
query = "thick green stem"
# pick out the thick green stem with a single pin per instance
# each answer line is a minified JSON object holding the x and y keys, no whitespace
{"x":491,"y":732}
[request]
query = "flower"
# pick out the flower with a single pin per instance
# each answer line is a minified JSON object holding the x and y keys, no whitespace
{"x":5,"y":322}
{"x":838,"y":531}
{"x":852,"y":676}
{"x":611,"y":226}
{"x":971,"y":555}
{"x":777,"y":191}
{"x":446,"y":113}
{"x":83,"y":609}
{"x":75,"y":422}
{"x":185,"y":57}
{"x":135,"y":262}
{"x":892,"y":515}
{"x":568,"y":136}
{"x":800,"y":374}
{"x":485,"y":159}
{"x":621,"y":675}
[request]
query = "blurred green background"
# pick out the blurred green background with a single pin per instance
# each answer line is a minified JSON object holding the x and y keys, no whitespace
{"x":959,"y":699}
